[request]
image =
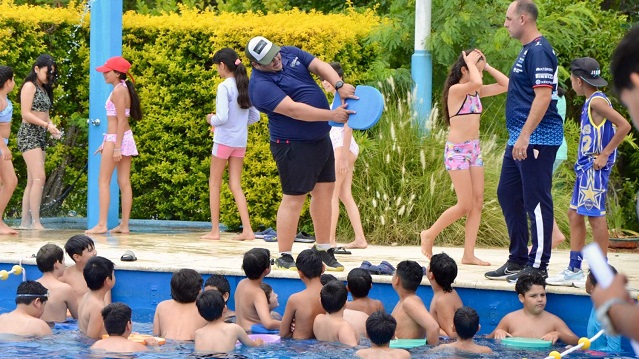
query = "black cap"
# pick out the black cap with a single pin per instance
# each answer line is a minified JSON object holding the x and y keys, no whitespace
{"x":588,"y":70}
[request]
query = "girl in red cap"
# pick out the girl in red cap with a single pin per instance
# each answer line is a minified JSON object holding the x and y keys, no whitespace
{"x":118,"y":146}
{"x":36,"y":100}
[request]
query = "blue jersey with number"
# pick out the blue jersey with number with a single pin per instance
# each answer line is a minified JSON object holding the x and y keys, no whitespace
{"x":594,"y":138}
{"x":536,"y":66}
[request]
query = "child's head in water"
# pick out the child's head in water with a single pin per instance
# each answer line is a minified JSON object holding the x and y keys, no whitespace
{"x":309,"y":264}
{"x":117,"y":318}
{"x":591,"y":280}
{"x":98,"y":273}
{"x":271,"y":296}
{"x":333,"y":296}
{"x":80,"y":248}
{"x":466,"y":321}
{"x":256,"y":263}
{"x":210,"y":304}
{"x":186,"y":284}
{"x":443,"y":270}
{"x":408,"y":275}
{"x":380,"y":328}
{"x":531,"y":289}
{"x":48,"y":256}
{"x":359,"y":282}
{"x":220,"y":283}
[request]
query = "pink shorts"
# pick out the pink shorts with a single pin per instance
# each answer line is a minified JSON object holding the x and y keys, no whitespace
{"x":224,"y":151}
{"x":127,"y":147}
{"x":461,"y":156}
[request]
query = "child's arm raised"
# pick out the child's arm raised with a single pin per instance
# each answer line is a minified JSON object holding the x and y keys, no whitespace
{"x":287,"y":318}
{"x":603,"y":109}
{"x":475,"y":82}
{"x":494,"y":89}
{"x":417,"y":311}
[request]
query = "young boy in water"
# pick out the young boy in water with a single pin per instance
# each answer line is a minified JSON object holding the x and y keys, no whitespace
{"x":332,"y":327}
{"x":304,"y":306}
{"x":380,"y":328}
{"x":50,"y":261}
{"x":441,"y":274}
{"x":31,"y":298}
{"x":533,"y":321}
{"x":221,"y":284}
{"x":100,"y":278}
{"x":117,"y":323}
{"x":178,"y":318}
{"x":218,"y":336}
{"x":360,"y":283}
{"x":355,"y":317}
{"x":272,"y":299}
{"x":466,"y":325}
{"x":80,"y":249}
{"x":413,"y":319}
{"x":251,"y":306}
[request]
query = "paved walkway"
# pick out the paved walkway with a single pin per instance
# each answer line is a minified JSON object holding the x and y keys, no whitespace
{"x":169,"y":252}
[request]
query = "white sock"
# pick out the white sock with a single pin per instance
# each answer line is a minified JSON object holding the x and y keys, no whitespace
{"x":287,"y":252}
{"x":323,"y":247}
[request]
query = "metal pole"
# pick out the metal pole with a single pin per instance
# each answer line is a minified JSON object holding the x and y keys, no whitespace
{"x":105,"y":42}
{"x":422,"y":63}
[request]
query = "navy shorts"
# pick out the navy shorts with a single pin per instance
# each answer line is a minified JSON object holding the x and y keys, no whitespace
{"x":301,"y":165}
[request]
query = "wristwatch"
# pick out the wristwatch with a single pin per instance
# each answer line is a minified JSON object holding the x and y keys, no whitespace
{"x":604,"y":318}
{"x":339,"y":84}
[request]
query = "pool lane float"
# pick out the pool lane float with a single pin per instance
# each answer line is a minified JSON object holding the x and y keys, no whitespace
{"x":407,"y":343}
{"x":530,"y":343}
{"x":141,"y":338}
{"x":16,"y":270}
{"x":260,"y":329}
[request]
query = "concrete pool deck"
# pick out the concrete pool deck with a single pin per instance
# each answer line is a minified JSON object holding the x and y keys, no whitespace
{"x":168,"y":252}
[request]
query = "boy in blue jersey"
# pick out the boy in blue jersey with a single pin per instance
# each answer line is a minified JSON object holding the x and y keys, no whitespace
{"x":602,"y":130}
{"x":536,"y":131}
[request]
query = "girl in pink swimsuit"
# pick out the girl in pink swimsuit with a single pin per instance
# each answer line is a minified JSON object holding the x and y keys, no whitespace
{"x":462,"y":110}
{"x":119,"y":146}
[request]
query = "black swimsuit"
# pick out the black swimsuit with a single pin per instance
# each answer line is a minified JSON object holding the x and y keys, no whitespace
{"x":30,"y":135}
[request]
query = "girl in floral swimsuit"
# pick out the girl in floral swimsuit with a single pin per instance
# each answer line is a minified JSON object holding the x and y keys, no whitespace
{"x":119,"y":146}
{"x":462,"y":157}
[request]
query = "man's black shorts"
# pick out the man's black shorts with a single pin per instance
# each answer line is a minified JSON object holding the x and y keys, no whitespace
{"x":303,"y":164}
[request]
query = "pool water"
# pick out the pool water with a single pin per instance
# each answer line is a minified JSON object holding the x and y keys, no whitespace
{"x":68,"y":343}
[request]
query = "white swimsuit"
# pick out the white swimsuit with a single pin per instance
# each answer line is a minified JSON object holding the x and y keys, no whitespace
{"x":337,"y":138}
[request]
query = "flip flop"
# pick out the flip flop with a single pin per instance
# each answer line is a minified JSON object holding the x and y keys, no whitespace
{"x":304,"y":237}
{"x":269,"y":238}
{"x":128,"y":256}
{"x":386,"y":268}
{"x":341,"y":250}
{"x":366,"y":265}
{"x":269,"y":231}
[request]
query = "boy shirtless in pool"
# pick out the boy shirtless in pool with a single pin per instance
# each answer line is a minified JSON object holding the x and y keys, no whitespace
{"x":533,"y":321}
{"x":80,"y":248}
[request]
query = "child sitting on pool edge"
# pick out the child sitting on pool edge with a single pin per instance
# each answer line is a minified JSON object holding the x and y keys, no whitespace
{"x":118,"y":325}
{"x":50,"y":261}
{"x":218,"y":336}
{"x":380,"y":328}
{"x":178,"y":318}
{"x":532,"y":321}
{"x":100,"y":278}
{"x":31,"y":298}
{"x":332,"y":327}
{"x":251,"y":306}
{"x":466,"y":325}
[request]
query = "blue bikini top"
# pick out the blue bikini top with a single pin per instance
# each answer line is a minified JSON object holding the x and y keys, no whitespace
{"x":5,"y":115}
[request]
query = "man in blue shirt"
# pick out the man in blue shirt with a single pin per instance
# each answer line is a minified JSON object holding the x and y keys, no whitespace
{"x":282,"y":86}
{"x":536,"y":131}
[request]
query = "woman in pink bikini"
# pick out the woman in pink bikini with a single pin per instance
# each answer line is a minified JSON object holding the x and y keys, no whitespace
{"x":118,"y":146}
{"x":462,"y":156}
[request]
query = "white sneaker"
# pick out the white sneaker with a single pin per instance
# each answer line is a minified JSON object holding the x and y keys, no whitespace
{"x":567,"y":278}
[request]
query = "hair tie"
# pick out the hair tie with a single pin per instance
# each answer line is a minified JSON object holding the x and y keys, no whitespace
{"x":238,"y":62}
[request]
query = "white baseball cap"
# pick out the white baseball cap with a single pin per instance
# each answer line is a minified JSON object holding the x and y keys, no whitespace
{"x":261,"y":50}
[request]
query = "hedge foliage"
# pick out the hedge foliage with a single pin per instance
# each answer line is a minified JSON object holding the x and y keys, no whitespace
{"x":170,"y":56}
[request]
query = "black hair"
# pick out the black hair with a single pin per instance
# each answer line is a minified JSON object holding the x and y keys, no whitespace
{"x":359,"y":282}
{"x":210,"y":304}
{"x":77,"y":244}
{"x":186,"y":284}
{"x":229,"y":58}
{"x":44,"y":60}
{"x":410,"y":274}
{"x":593,"y":279}
{"x":338,"y":68}
{"x":136,"y":107}
{"x":526,"y":281}
{"x":560,"y":91}
{"x":47,"y":256}
{"x":30,"y":290}
{"x":219,"y":282}
{"x":333,"y":296}
{"x":466,"y":321}
{"x":116,"y":316}
{"x":380,"y":327}
{"x":6,"y":74}
{"x":267,"y":291}
{"x":327,"y":277}
{"x":309,"y":263}
{"x":444,"y":270}
{"x":454,"y":76}
{"x":527,"y":7}
{"x":97,"y":270}
{"x":624,"y":60}
{"x":255,"y":262}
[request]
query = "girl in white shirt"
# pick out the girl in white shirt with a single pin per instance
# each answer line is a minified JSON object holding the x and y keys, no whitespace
{"x":234,"y":114}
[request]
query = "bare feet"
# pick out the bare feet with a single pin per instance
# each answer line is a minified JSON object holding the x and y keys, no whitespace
{"x":357,"y":244}
{"x":98,"y":229}
{"x":120,"y":229}
{"x":214,"y":235}
{"x":474,"y":261}
{"x":427,"y":244}
{"x":37,"y":226}
{"x":244,"y":236}
{"x":4,"y":229}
